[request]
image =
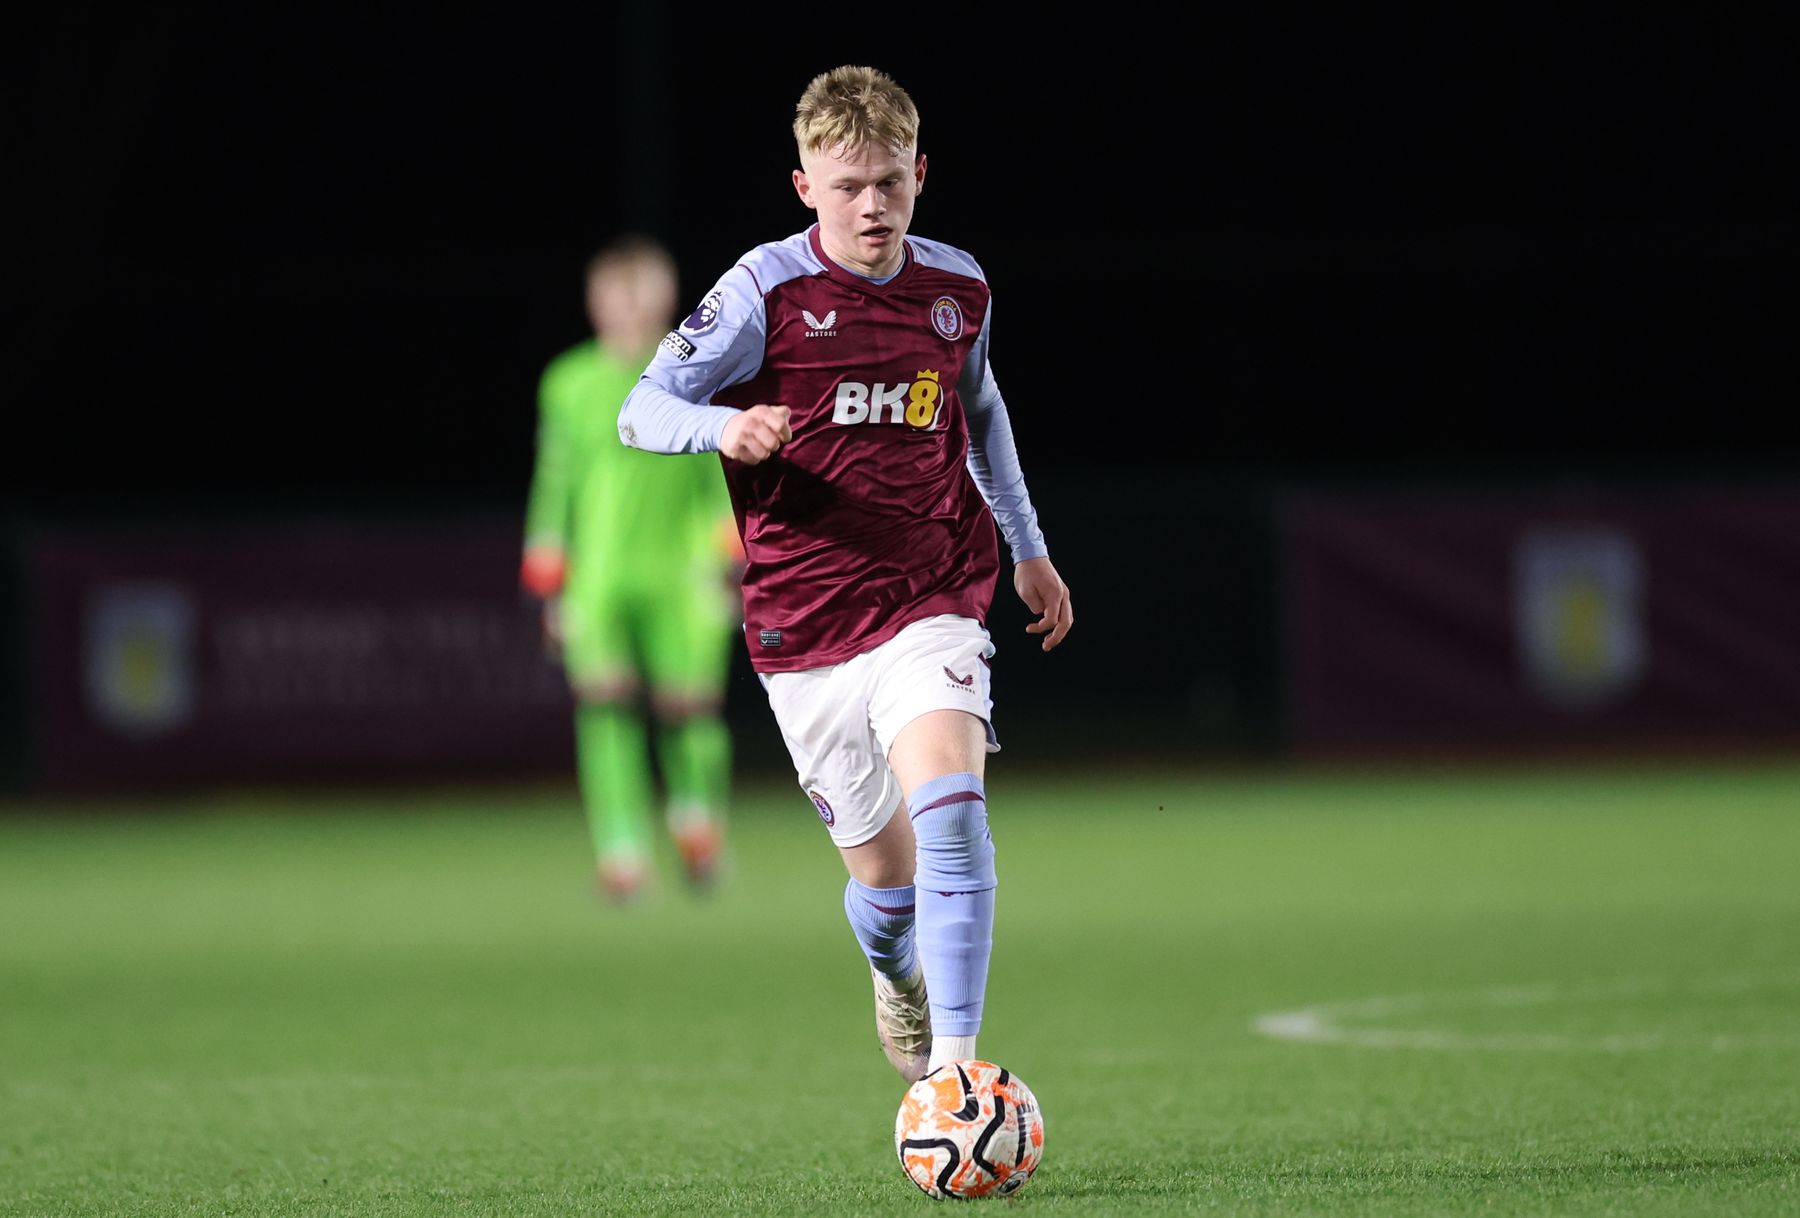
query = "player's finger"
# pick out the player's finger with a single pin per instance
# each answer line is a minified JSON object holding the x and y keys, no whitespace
{"x":1065,"y":618}
{"x":782,"y":429}
{"x":1056,"y":620}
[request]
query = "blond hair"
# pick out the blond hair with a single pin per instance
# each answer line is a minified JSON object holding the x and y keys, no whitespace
{"x":855,"y":107}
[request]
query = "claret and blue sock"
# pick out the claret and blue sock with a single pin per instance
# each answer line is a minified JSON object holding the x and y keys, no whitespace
{"x":883,"y":921}
{"x":954,"y":897}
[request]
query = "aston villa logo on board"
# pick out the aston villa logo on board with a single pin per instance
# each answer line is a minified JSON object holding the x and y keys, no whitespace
{"x":138,"y":658}
{"x":1578,"y":599}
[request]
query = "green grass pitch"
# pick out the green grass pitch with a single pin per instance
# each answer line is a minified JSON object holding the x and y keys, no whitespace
{"x":1556,"y":992}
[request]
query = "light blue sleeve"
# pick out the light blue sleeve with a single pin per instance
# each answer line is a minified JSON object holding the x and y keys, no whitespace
{"x":657,"y":421}
{"x":720,"y":344}
{"x":994,"y":458}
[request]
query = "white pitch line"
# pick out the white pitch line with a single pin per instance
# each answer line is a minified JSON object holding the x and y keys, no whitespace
{"x":1325,"y":1022}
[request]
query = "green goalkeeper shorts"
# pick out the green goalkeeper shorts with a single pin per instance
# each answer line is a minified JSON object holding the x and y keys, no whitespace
{"x":675,"y":633}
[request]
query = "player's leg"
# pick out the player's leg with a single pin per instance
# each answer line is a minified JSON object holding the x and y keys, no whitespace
{"x":614,"y":781}
{"x":823,"y":718}
{"x":612,"y":763}
{"x":879,"y":898}
{"x":694,"y":749}
{"x":687,"y":657}
{"x":934,"y":707}
{"x":880,"y":903}
{"x":939,"y":759}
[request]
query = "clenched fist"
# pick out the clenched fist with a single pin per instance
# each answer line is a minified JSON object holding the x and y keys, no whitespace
{"x":753,"y":435}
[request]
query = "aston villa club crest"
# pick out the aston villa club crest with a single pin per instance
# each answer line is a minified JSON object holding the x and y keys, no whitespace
{"x":825,"y":812}
{"x":947,"y":318}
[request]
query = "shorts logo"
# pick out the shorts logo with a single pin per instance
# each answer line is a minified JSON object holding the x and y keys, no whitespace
{"x":678,"y":346}
{"x":967,"y":682}
{"x":769,"y":638}
{"x":825,"y":812}
{"x":820,"y":327}
{"x":946,"y":318}
{"x":706,"y":314}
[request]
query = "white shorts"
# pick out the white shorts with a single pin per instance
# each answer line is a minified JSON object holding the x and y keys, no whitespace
{"x":839,"y":721}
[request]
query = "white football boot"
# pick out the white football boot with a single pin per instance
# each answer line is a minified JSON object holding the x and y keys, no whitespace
{"x":903,"y":1023}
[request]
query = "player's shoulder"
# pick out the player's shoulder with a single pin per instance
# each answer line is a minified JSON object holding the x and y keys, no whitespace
{"x":773,"y":263}
{"x":942,"y":256}
{"x":571,"y":363}
{"x":737,"y":296}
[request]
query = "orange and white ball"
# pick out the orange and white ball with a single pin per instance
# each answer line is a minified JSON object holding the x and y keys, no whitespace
{"x":969,"y":1129}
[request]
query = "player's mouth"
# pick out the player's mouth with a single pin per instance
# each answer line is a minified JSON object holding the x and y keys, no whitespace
{"x":877,"y":232}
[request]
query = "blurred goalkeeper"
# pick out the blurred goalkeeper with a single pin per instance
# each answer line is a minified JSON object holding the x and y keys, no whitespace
{"x":635,"y":558}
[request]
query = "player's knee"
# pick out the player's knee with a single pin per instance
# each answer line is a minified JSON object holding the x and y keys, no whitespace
{"x":955,"y":848}
{"x":673,"y":708}
{"x":613,"y":689}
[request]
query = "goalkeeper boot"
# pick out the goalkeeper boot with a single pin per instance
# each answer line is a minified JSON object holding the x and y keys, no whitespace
{"x":700,"y":841}
{"x":903,"y":1022}
{"x":621,"y":876}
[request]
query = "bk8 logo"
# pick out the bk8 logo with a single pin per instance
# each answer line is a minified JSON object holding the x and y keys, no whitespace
{"x":914,"y":403}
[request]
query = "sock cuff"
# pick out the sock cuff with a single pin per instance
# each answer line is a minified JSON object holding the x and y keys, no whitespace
{"x":890,"y":901}
{"x":955,"y":848}
{"x":946,"y":791}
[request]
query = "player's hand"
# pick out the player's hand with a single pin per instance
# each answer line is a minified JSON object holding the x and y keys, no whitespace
{"x":542,"y":570}
{"x":1045,"y":594}
{"x":753,"y":435}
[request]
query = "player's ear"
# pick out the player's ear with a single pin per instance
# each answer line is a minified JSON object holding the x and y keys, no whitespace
{"x":803,"y":188}
{"x":919,"y":173}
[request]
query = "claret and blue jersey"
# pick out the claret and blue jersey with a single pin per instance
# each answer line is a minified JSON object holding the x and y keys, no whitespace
{"x":882,"y":508}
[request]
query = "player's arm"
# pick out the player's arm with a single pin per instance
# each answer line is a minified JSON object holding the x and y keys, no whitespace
{"x":994,"y":464}
{"x":720,"y":344}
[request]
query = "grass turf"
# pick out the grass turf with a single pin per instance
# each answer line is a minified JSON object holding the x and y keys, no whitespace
{"x":1574,"y":992}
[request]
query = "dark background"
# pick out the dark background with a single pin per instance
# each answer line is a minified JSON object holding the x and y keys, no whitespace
{"x":312,"y":257}
{"x":276,"y":265}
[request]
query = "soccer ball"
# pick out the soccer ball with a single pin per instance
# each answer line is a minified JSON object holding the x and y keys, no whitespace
{"x":969,"y":1129}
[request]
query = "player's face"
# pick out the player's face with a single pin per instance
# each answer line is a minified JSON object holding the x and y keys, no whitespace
{"x":864,"y":197}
